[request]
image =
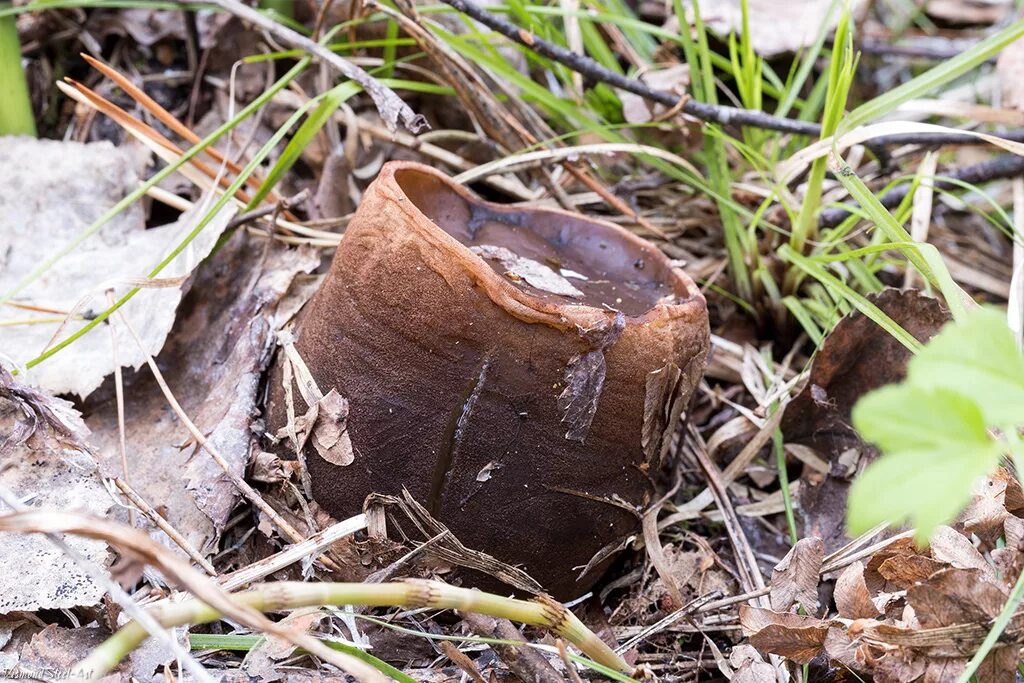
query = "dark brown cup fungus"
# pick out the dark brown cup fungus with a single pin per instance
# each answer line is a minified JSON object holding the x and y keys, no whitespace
{"x":520,"y":372}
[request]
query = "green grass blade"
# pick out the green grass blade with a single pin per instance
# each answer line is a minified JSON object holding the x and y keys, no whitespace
{"x":843,"y":291}
{"x":226,"y":196}
{"x":245,"y":643}
{"x":155,"y":179}
{"x":303,"y":137}
{"x":16,"y":117}
{"x":936,"y":76}
{"x":925,"y":258}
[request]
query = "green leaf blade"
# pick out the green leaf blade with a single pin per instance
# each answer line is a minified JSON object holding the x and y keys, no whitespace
{"x":936,"y":445}
{"x":980,"y":359}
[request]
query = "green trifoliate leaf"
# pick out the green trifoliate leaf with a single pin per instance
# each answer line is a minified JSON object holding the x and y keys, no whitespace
{"x":935,"y":445}
{"x":977,"y":358}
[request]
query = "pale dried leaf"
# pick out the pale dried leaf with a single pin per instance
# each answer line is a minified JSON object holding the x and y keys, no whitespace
{"x":46,"y":472}
{"x":968,"y":11}
{"x":88,"y":179}
{"x":853,"y":600}
{"x":262,"y":662}
{"x":952,"y":547}
{"x":749,"y":667}
{"x":773,"y":30}
{"x":330,"y":430}
{"x":795,"y":577}
{"x":985,"y":514}
{"x":674,"y":79}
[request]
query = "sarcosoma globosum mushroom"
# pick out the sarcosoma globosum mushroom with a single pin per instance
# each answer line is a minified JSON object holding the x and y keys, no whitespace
{"x":520,"y":371}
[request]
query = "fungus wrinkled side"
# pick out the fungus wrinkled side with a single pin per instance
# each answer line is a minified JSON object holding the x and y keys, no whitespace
{"x":519,"y":371}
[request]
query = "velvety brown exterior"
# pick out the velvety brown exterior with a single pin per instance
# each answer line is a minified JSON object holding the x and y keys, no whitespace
{"x":453,"y":375}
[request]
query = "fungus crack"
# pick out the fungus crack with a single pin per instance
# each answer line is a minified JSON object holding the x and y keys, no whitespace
{"x":454,"y":433}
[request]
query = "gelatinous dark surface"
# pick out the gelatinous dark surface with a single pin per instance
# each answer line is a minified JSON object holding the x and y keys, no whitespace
{"x":615,"y":275}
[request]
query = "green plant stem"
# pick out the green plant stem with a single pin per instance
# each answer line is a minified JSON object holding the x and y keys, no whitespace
{"x":246,"y":643}
{"x":543,"y":612}
{"x":787,"y":499}
{"x":16,"y":117}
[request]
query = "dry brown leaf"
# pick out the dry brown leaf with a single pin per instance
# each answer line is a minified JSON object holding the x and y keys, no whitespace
{"x":898,"y":667}
{"x":956,"y":596}
{"x":902,"y":571}
{"x":950,"y":546}
{"x":846,"y":651}
{"x":794,"y":636}
{"x":1000,"y":666}
{"x":857,"y":357}
{"x":795,"y":577}
{"x":853,"y":600}
{"x":57,"y":649}
{"x":213,"y":363}
{"x":943,"y":669}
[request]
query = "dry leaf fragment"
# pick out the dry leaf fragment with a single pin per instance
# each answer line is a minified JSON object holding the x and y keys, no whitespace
{"x":795,"y":636}
{"x":987,"y":511}
{"x":673,"y":79}
{"x":662,"y":410}
{"x":956,"y":596}
{"x":950,"y":546}
{"x":904,"y":571}
{"x":749,"y":667}
{"x":795,"y":577}
{"x":853,"y":600}
{"x":330,"y":432}
{"x":262,"y":662}
{"x":536,"y":274}
{"x":46,"y":465}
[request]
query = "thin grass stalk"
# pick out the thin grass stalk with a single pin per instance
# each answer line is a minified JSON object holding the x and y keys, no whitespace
{"x":703,"y":88}
{"x":224,"y":199}
{"x":843,"y":292}
{"x":16,"y":117}
{"x":543,"y":612}
{"x":155,"y":180}
{"x":840,"y":78}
